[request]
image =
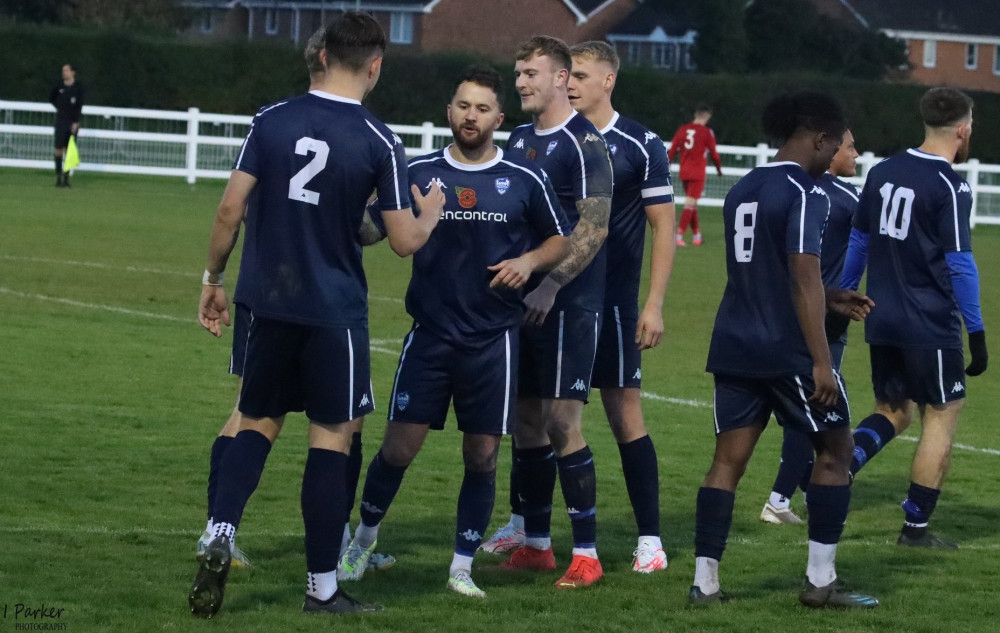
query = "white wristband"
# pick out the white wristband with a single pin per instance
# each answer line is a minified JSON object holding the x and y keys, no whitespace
{"x":213,"y":279}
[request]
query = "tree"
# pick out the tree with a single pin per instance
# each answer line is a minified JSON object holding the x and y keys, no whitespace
{"x":722,"y":39}
{"x":32,"y":10}
{"x":160,"y":15}
{"x":791,"y":35}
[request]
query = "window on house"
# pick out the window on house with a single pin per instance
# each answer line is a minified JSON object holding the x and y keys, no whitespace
{"x":688,"y":59}
{"x":270,"y":21}
{"x":206,"y":21}
{"x":930,"y":53}
{"x":971,"y":56}
{"x":664,"y":56}
{"x":401,"y":28}
{"x":633,"y":52}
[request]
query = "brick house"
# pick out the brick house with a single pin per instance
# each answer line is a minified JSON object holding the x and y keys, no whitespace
{"x":652,"y":36}
{"x":490,"y":27}
{"x":954,"y":43}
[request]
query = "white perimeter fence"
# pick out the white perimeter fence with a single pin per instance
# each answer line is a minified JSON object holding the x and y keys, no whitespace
{"x":195,"y":144}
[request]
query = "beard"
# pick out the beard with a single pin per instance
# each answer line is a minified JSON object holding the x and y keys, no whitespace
{"x":962,"y":154}
{"x":481,"y":138}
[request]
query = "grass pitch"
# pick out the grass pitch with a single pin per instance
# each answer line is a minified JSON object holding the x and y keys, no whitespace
{"x":112,"y":395}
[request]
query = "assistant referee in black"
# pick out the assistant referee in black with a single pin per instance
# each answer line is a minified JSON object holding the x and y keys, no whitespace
{"x":67,"y":97}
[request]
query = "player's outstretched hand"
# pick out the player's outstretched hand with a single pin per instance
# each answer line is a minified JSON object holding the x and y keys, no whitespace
{"x":980,"y":357}
{"x":539,"y":301}
{"x":511,"y":273}
{"x":432,"y":204}
{"x":719,"y":171}
{"x":649,"y":330}
{"x":849,"y":303}
{"x":826,"y":386}
{"x":213,"y":308}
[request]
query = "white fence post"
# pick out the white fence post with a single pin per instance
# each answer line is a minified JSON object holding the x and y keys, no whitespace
{"x":762,"y":154}
{"x":191,"y":163}
{"x":972,"y":176}
{"x":427,"y":138}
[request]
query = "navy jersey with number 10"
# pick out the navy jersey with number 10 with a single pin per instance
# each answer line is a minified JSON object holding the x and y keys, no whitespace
{"x":775,"y":211}
{"x":915,"y":209}
{"x":493,"y":211}
{"x":575,"y":157}
{"x":317,"y":158}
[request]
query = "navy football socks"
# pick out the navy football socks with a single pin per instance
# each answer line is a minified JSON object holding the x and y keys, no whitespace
{"x":579,"y":487}
{"x":827,"y":512}
{"x":713,"y":518}
{"x":381,"y":486}
{"x":239,"y":473}
{"x":643,"y":484}
{"x":352,"y":474}
{"x":219,"y":447}
{"x":870,"y":437}
{"x":323,"y":501}
{"x":537,"y":472}
{"x":475,"y":505}
{"x":796,"y":463}
{"x":919,"y":506}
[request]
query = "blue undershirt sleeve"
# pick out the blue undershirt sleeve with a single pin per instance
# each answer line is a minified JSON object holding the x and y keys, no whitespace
{"x":965,"y":284}
{"x":855,"y":261}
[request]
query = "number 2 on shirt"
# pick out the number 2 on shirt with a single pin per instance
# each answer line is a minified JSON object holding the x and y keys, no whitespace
{"x":297,"y":185}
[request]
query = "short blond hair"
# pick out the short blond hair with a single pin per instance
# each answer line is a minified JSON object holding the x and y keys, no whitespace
{"x":598,"y":51}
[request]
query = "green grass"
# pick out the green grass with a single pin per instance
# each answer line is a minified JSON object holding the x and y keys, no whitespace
{"x":112,"y":395}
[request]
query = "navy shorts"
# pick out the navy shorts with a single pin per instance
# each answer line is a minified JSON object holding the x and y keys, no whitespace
{"x":324,"y":371}
{"x":241,"y":330}
{"x":63,"y":130}
{"x":618,"y":362}
{"x":743,"y":402}
{"x":557,"y":357}
{"x":482,"y":382}
{"x":926,"y":376}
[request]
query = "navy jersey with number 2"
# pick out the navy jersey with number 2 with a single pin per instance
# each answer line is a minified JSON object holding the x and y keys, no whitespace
{"x":317,"y":158}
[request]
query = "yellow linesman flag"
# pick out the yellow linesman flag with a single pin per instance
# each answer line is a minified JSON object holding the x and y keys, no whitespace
{"x":72,"y":159}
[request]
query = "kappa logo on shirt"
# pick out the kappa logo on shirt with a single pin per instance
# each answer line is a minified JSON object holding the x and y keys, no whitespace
{"x":519,"y":144}
{"x":957,"y":388}
{"x":650,"y":136}
{"x":579,"y":385}
{"x":436,"y":181}
{"x":590,"y":136}
{"x":833,"y":416}
{"x":964,"y":188}
{"x":396,"y":139}
{"x":817,"y":190}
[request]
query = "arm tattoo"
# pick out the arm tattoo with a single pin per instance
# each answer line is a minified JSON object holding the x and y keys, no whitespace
{"x":586,"y":240}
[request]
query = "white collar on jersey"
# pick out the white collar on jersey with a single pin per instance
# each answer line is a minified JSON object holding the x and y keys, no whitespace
{"x":913,"y":151}
{"x":478,"y":166}
{"x":333,"y":97}
{"x":781,"y":163}
{"x":553,"y":130}
{"x":611,"y":123}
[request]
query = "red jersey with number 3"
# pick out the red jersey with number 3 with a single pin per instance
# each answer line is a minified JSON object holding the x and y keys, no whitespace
{"x":694,"y":141}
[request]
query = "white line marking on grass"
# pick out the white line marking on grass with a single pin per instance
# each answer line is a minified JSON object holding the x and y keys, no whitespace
{"x":69,"y":262}
{"x":136,"y":269}
{"x":700,"y":404}
{"x":376,"y":344}
{"x":96,"y":306}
